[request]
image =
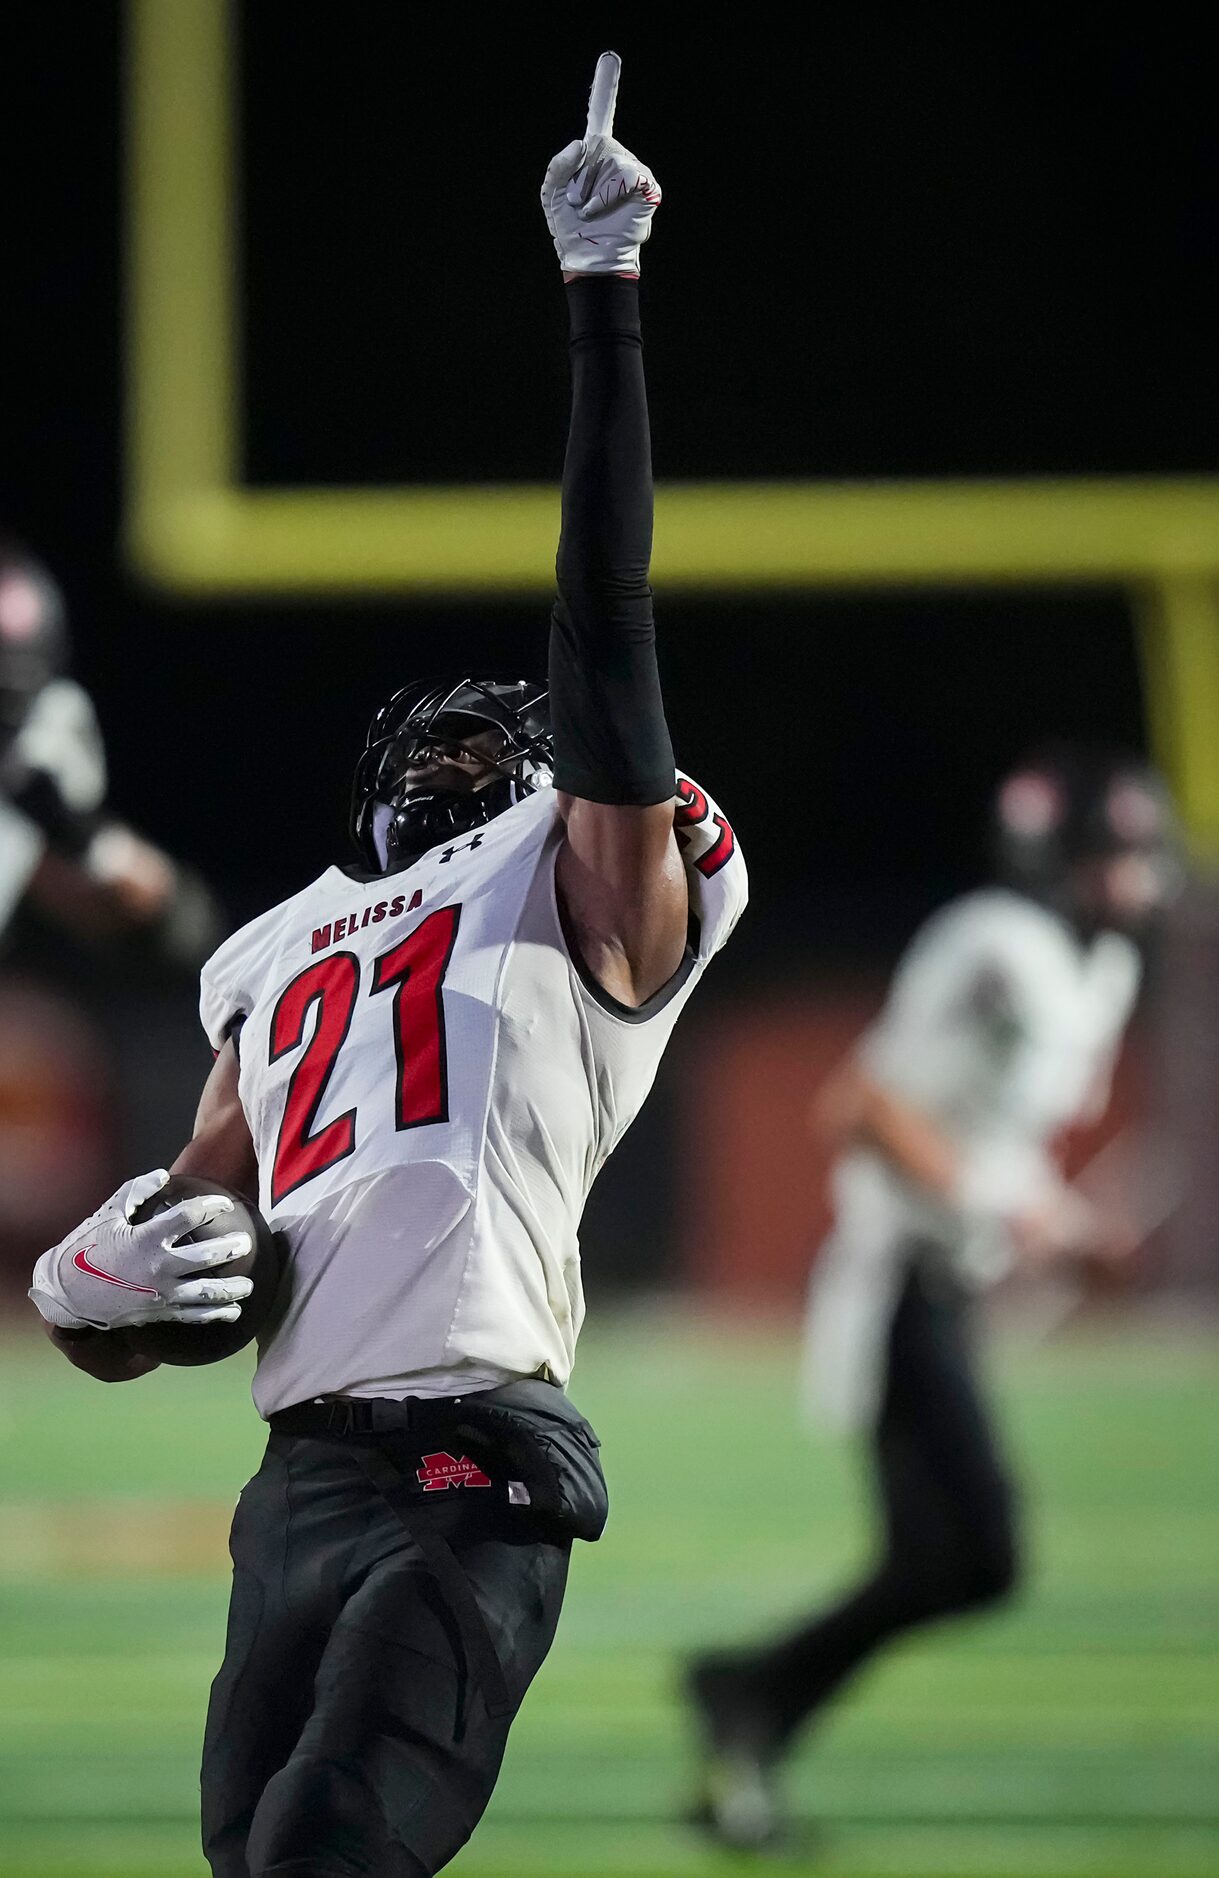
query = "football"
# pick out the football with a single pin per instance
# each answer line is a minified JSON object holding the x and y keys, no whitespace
{"x":189,"y":1344}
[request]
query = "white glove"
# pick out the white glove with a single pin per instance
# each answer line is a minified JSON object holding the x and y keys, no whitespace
{"x":597,"y":198}
{"x":108,"y":1274}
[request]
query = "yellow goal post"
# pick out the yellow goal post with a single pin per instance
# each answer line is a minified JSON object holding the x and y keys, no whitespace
{"x":192,"y":527}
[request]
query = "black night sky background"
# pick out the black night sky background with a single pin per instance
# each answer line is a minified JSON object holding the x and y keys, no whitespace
{"x":926,"y":247}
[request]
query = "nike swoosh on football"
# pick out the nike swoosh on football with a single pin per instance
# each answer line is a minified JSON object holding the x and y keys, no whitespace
{"x":82,"y":1264}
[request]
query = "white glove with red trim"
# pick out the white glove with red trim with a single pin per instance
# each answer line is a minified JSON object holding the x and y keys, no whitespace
{"x":597,"y":198}
{"x":108,"y":1273}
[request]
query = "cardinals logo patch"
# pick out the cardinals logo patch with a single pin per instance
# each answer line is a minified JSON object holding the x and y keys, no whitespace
{"x":441,"y":1470}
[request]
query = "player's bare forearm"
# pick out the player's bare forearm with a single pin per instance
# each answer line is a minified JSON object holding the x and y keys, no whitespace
{"x":1055,"y":1225}
{"x":68,"y":893}
{"x":222,"y":1148}
{"x":124,"y":888}
{"x":103,"y":1354}
{"x":854,"y":1110}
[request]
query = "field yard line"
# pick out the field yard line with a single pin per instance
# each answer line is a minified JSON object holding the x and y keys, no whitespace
{"x":114,"y":1537}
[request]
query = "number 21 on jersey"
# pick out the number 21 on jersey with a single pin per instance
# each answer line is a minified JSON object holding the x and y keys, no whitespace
{"x":413,"y":971}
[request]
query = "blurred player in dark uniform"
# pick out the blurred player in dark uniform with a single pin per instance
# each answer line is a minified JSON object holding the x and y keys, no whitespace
{"x":1001,"y":1029}
{"x":423,"y":1062}
{"x":61,"y":850}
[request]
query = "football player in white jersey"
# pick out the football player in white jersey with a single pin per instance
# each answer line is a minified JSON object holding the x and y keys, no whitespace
{"x":1001,"y":1028}
{"x":421,"y":1066}
{"x":60,"y":848}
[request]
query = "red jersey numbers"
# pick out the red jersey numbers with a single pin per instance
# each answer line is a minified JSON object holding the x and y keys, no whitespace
{"x":332,"y":984}
{"x":693,"y":810}
{"x":414,"y":970}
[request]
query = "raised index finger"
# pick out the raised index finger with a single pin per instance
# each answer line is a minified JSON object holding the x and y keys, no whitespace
{"x":603,"y":97}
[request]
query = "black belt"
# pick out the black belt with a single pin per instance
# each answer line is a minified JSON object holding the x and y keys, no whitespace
{"x":351,"y":1415}
{"x":417,"y":1416}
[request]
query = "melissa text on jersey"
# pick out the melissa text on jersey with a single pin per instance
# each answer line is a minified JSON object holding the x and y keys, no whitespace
{"x":349,"y":924}
{"x":432,"y":1085}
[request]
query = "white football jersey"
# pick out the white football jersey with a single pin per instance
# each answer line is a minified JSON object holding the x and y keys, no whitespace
{"x":432,"y":1085}
{"x":1003,"y":1027}
{"x":61,"y":737}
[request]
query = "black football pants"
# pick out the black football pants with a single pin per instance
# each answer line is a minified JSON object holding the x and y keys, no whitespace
{"x":349,"y":1730}
{"x":948,"y":1539}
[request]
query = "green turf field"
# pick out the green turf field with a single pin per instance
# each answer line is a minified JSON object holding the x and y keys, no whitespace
{"x":1077,"y":1735}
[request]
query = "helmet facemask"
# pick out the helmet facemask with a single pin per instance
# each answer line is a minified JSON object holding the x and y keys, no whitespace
{"x":1073,"y":822}
{"x":445,"y":726}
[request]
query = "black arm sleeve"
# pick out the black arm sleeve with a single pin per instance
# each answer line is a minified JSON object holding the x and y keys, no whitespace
{"x":611,"y":740}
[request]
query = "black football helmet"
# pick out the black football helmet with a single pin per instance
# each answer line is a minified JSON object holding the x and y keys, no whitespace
{"x":393,"y":822}
{"x":33,"y":635}
{"x":1070,"y":803}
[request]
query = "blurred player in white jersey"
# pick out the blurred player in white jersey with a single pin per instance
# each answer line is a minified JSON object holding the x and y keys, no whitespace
{"x":1001,"y":1029}
{"x":61,"y":850}
{"x":423,"y":1062}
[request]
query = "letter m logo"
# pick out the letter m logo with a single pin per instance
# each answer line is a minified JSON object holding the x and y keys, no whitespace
{"x":440,"y":1471}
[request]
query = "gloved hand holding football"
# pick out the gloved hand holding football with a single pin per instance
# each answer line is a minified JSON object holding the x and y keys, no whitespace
{"x":124,"y":1266}
{"x":597,"y":198}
